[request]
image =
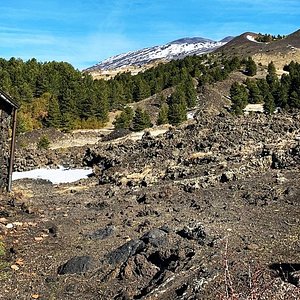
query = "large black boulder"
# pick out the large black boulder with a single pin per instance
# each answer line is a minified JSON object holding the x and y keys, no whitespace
{"x":76,"y":265}
{"x":124,"y":252}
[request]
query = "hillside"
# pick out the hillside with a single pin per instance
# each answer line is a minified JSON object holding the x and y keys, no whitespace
{"x":196,"y":213}
{"x":140,"y":60}
{"x":202,"y":209}
{"x":281,"y":51}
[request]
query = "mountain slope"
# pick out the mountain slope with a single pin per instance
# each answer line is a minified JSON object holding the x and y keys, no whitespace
{"x":280,"y":52}
{"x":246,"y":45}
{"x":173,"y":50}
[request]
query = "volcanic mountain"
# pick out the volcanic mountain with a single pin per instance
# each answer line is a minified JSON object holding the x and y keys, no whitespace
{"x":174,"y":50}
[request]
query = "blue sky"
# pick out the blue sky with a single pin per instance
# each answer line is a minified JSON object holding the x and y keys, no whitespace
{"x":84,"y":32}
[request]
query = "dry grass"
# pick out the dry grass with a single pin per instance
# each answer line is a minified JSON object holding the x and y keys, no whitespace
{"x":4,"y":266}
{"x":260,"y":283}
{"x":279,"y":59}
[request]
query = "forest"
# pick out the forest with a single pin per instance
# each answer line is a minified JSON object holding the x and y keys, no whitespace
{"x":272,"y":91}
{"x":54,"y":94}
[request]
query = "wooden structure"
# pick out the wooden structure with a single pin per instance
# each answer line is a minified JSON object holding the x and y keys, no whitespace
{"x":8,"y":117}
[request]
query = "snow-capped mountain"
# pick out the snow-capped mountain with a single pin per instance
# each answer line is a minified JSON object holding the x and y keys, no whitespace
{"x":173,"y":50}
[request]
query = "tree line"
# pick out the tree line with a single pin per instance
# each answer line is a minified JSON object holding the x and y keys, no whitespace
{"x":271,"y":91}
{"x":185,"y":76}
{"x":267,"y":38}
{"x":54,"y":94}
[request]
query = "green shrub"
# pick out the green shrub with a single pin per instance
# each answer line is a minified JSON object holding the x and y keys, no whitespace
{"x":43,"y":143}
{"x":2,"y":249}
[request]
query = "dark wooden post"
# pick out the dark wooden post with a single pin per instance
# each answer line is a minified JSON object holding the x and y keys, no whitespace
{"x":12,"y":150}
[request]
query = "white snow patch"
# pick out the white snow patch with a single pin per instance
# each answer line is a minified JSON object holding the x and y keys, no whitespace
{"x":190,"y":115}
{"x":60,"y":175}
{"x":252,"y":39}
{"x":254,"y":108}
{"x":168,"y":51}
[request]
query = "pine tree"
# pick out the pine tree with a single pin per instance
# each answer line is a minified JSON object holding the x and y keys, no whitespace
{"x":251,"y":67}
{"x":234,"y":63}
{"x":124,"y":120}
{"x":54,"y":116}
{"x":117,"y":96}
{"x":68,"y":121}
{"x":282,"y":97}
{"x":294,"y":100}
{"x":254,"y":92}
{"x":190,"y":92}
{"x":272,"y":78}
{"x":177,"y":107}
{"x":141,"y":120}
{"x":141,"y":90}
{"x":263,"y":86}
{"x":163,"y":114}
{"x":272,"y":69}
{"x":239,"y":98}
{"x":269,"y":104}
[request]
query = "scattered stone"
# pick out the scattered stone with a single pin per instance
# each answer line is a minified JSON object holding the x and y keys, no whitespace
{"x":15,"y":267}
{"x":76,"y":265}
{"x":3,"y":221}
{"x":194,"y":231}
{"x":102,"y":233}
{"x":155,"y":237}
{"x":228,"y":176}
{"x":121,"y":254}
{"x":38,"y":238}
{"x":98,"y":205}
{"x":252,"y":247}
{"x":142,"y":199}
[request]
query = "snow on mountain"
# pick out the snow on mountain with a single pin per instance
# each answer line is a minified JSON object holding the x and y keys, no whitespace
{"x":251,"y":39}
{"x":173,"y":50}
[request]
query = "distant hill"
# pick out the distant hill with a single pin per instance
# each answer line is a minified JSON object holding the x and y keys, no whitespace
{"x":144,"y":58}
{"x":280,"y":51}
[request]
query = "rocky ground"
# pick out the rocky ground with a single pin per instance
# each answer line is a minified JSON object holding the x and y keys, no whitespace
{"x":206,"y":211}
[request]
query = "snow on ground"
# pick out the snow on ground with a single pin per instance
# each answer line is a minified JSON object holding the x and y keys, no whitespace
{"x":61,"y":175}
{"x":190,"y":115}
{"x":252,"y":39}
{"x":254,"y":108}
{"x":167,"y":51}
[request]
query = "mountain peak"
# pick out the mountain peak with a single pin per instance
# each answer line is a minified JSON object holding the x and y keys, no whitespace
{"x":174,"y":50}
{"x":227,"y":39}
{"x":193,"y":40}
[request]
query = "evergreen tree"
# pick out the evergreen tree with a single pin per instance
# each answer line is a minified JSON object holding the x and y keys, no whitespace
{"x":102,"y":105}
{"x":250,"y":68}
{"x":68,"y":121}
{"x":117,"y":95}
{"x":263,"y":86}
{"x":141,"y":120}
{"x":239,"y":98}
{"x":141,"y":90}
{"x":190,"y":92}
{"x":177,"y":107}
{"x":234,"y":63}
{"x":272,"y":78}
{"x":271,"y":69}
{"x":124,"y":120}
{"x":54,"y":116}
{"x":254,"y":92}
{"x":269,"y":104}
{"x":163,"y":114}
{"x":294,"y":100}
{"x":282,"y":97}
